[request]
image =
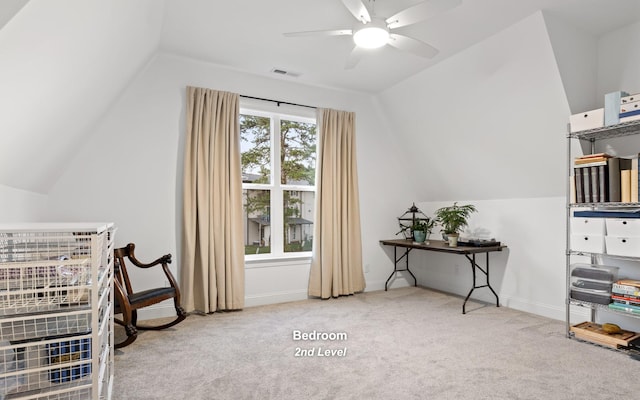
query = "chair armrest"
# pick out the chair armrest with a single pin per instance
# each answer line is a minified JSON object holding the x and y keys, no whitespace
{"x":166,"y":259}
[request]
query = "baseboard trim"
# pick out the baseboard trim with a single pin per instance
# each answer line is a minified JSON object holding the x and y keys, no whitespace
{"x":264,"y":299}
{"x":542,"y":309}
{"x":156,"y":311}
{"x":396,"y":283}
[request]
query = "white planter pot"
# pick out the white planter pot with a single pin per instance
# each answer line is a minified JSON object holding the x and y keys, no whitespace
{"x":453,"y":240}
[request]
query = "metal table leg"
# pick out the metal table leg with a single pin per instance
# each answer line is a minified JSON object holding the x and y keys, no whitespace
{"x":474,"y":265}
{"x":395,"y":266}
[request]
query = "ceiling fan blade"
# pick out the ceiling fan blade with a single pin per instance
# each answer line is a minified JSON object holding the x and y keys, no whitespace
{"x":420,"y":12}
{"x":412,"y":45}
{"x":358,"y":9}
{"x":354,"y":57}
{"x":335,"y":32}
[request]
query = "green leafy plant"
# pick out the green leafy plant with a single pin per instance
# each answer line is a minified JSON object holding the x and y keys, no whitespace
{"x":424,"y":225}
{"x":454,"y":218}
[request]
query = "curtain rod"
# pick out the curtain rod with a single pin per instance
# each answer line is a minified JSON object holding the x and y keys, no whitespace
{"x":278,"y":102}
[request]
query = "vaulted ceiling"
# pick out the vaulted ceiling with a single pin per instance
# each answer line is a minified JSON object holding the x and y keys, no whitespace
{"x":63,"y":63}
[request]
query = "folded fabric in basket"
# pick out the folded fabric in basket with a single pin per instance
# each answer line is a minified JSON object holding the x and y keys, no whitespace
{"x":67,"y":352}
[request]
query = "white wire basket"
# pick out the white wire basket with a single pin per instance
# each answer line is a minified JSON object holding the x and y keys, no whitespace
{"x":56,"y":312}
{"x":44,"y":271}
{"x":30,"y":369}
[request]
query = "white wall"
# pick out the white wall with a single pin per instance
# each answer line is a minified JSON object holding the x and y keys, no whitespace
{"x":130,"y":171}
{"x":487,"y":123}
{"x":505,"y":137}
{"x":62,"y":64}
{"x":576,"y":53}
{"x":488,"y":127}
{"x":528,"y":275}
{"x":619,"y":60}
{"x":17,"y":205}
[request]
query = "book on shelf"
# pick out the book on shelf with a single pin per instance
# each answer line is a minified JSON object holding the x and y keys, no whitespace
{"x":627,"y":301}
{"x":625,"y":296}
{"x":589,"y":161}
{"x":630,"y":294}
{"x":591,"y":183}
{"x":634,"y":179}
{"x":625,"y":180}
{"x":592,"y":156}
{"x":615,"y":180}
{"x":630,"y":283}
{"x":590,"y":164}
{"x":579,"y":191}
{"x":622,"y":307}
{"x":586,"y":184}
{"x":595,"y":184}
{"x":625,"y":290}
{"x":613,"y":170}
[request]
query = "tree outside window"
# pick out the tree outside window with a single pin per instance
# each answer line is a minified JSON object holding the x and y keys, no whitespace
{"x":279,"y":212}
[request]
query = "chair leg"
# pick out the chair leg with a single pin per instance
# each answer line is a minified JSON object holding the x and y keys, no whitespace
{"x":132,"y":335}
{"x":181,"y":315}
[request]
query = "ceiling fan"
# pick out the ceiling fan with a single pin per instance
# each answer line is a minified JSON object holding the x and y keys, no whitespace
{"x":372,"y":31}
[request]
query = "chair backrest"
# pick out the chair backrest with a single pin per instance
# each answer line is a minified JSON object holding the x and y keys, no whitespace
{"x":120,"y":267}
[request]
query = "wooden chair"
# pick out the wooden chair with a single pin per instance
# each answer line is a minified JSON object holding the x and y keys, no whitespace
{"x":128,"y":302}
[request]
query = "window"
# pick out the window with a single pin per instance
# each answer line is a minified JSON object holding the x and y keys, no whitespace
{"x":278,"y":182}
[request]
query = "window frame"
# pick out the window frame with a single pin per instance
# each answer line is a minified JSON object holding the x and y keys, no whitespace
{"x":276,"y":113}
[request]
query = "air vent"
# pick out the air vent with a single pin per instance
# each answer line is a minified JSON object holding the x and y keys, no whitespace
{"x":279,"y":71}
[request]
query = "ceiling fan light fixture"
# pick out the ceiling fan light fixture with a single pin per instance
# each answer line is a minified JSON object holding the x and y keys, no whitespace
{"x":371,"y":36}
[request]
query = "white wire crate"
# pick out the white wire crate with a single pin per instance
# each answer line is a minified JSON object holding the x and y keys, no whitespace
{"x":32,"y":368}
{"x":56,"y":313}
{"x":29,"y":327}
{"x":32,"y":287}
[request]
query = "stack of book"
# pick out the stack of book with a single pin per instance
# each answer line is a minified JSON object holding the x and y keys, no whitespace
{"x":625,"y":296}
{"x":600,"y":178}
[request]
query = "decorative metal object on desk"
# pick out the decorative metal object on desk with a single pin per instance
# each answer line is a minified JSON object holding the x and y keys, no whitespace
{"x":414,"y":221}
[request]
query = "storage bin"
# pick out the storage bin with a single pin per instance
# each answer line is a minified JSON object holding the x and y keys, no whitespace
{"x":629,"y":107}
{"x":602,"y":273}
{"x":587,"y":120}
{"x":598,"y":298}
{"x":587,"y":226}
{"x":623,"y":246}
{"x":591,"y":286}
{"x":587,"y":243}
{"x":55,"y":287}
{"x":623,"y":226}
{"x":630,"y":98}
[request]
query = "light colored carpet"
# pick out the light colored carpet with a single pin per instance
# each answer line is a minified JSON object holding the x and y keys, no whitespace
{"x":407,"y":343}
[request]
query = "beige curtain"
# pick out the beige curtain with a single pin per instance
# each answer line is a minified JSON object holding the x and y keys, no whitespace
{"x":212,"y":262}
{"x":336,"y":265}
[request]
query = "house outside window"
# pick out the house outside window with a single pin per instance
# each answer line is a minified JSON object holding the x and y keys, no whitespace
{"x":278,"y":181}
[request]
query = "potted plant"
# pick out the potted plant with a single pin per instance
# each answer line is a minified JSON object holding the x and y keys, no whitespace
{"x":453,"y":219}
{"x":421,"y":229}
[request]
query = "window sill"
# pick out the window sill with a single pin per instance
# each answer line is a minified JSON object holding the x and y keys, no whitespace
{"x":268,"y":260}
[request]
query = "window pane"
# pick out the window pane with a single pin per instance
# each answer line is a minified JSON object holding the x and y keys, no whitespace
{"x":257,"y":221}
{"x":298,"y":220}
{"x":297,"y":153}
{"x":255,"y":147}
